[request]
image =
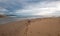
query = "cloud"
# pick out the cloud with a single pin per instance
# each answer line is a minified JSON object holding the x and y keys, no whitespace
{"x":3,"y":10}
{"x":32,"y":7}
{"x":41,"y":8}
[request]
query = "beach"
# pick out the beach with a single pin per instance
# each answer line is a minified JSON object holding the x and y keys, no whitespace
{"x":32,"y":27}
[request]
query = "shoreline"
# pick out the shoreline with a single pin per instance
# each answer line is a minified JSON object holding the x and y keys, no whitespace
{"x":14,"y":19}
{"x":32,"y":27}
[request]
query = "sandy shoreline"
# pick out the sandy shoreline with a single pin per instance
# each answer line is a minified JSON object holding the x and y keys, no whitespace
{"x":33,"y":27}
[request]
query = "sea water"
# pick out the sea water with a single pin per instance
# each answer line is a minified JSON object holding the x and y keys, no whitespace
{"x":14,"y":18}
{"x":18,"y":18}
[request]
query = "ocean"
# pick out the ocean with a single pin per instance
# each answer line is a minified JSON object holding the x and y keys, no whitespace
{"x":18,"y":18}
{"x":14,"y":18}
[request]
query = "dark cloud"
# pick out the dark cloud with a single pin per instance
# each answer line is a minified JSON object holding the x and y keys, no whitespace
{"x":13,"y":5}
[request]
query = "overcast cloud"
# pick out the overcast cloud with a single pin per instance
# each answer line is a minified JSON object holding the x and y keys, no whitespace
{"x":31,"y":7}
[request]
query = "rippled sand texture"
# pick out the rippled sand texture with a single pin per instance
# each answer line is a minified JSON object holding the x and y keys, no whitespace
{"x":34,"y":27}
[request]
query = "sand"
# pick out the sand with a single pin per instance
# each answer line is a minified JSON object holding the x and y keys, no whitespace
{"x":3,"y":16}
{"x":33,"y":27}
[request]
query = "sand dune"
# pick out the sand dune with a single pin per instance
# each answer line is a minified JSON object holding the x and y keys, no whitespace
{"x":33,"y":27}
{"x":2,"y":16}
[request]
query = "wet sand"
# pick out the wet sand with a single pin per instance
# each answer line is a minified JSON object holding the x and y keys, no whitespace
{"x":33,"y":27}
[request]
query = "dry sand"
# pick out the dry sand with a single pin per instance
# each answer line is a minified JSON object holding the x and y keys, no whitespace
{"x":33,"y":27}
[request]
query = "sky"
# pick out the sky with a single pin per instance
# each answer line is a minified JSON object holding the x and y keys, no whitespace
{"x":30,"y":7}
